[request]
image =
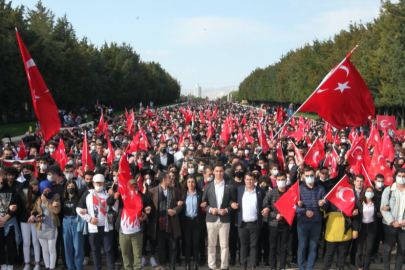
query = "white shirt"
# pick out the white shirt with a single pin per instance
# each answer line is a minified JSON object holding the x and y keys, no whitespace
{"x":219,"y":192}
{"x":163,"y":160}
{"x":401,"y":205}
{"x":368,"y":212}
{"x":178,"y":155}
{"x":249,"y":206}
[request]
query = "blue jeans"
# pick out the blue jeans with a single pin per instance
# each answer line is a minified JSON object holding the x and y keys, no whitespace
{"x":305,"y":230}
{"x":74,"y":244}
{"x":95,"y":242}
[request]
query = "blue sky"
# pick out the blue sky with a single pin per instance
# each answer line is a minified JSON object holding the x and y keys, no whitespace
{"x":213,"y":43}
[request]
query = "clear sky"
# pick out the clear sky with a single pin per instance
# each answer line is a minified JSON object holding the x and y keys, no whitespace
{"x":213,"y":43}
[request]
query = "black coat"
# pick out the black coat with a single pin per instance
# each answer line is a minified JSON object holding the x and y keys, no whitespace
{"x":260,"y":194}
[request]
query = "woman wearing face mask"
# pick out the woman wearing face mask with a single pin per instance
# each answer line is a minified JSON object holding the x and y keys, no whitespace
{"x":28,"y":196}
{"x":101,"y":161}
{"x":45,"y":214}
{"x":366,"y":225}
{"x":188,"y":168}
{"x":73,"y":240}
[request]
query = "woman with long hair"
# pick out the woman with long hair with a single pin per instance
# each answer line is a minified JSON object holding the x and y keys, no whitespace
{"x":365,"y":223}
{"x":45,"y":214}
{"x":73,"y":240}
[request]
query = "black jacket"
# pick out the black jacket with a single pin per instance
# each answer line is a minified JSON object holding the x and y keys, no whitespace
{"x":271,"y":198}
{"x":170,"y":160}
{"x":357,"y":220}
{"x":260,"y":194}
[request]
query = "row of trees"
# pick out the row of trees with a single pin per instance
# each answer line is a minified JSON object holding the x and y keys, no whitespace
{"x":77,"y":72}
{"x":380,"y":59}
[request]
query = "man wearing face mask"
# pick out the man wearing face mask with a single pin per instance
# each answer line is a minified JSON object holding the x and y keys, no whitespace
{"x":378,"y":190}
{"x":309,"y":217}
{"x":393,"y":212}
{"x":278,"y":227}
{"x":163,"y":158}
{"x":43,"y":166}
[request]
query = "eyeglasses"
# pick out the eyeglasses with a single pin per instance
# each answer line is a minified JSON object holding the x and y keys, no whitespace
{"x":324,"y":173}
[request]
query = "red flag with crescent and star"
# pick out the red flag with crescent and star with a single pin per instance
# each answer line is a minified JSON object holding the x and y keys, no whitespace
{"x":342,"y":98}
{"x":388,"y":150}
{"x":358,"y":155}
{"x":379,"y":165}
{"x":286,"y":205}
{"x":342,"y":196}
{"x":315,"y":154}
{"x":44,"y":105}
{"x":386,"y":122}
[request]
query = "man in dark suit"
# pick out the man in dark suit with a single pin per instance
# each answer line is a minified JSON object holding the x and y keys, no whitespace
{"x":163,"y":158}
{"x":218,"y":194}
{"x":249,"y":220}
{"x":164,"y":225}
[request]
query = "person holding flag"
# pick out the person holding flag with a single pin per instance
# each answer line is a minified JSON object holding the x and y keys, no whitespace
{"x":131,"y":238}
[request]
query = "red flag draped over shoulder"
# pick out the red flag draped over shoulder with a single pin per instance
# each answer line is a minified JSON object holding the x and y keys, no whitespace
{"x":287,"y":203}
{"x":342,"y":98}
{"x":44,"y":105}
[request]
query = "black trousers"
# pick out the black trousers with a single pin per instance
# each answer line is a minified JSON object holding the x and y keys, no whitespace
{"x":294,"y":245}
{"x":60,"y":246}
{"x":152,"y":243}
{"x":393,"y":235}
{"x":341,"y":249}
{"x":365,"y":240}
{"x":191,"y":238}
{"x":203,"y":235}
{"x":9,"y":242}
{"x":87,"y":246}
{"x":233,"y":239}
{"x":279,"y":235}
{"x":263,"y":245}
{"x":379,"y":237}
{"x":249,"y":235}
{"x":163,"y":239}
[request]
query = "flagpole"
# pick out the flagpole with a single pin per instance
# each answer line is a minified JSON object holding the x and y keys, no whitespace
{"x":334,"y":187}
{"x":327,"y":77}
{"x":366,"y":173}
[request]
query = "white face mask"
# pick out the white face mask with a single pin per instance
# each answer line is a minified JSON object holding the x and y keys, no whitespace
{"x":261,"y":166}
{"x":200,"y":168}
{"x":49,"y":178}
{"x":275,"y":172}
{"x":148,"y":158}
{"x":235,"y":150}
{"x":246,"y":152}
{"x":92,"y":148}
{"x":290,"y":166}
{"x":46,"y":150}
{"x":190,"y":170}
{"x":182,"y":149}
{"x":70,"y":162}
{"x":43,"y":166}
{"x":69,"y":176}
{"x":281,"y":184}
{"x":115,"y":178}
{"x":380,"y":184}
{"x":102,"y":162}
{"x":191,"y":148}
{"x":52,"y":150}
{"x":309,"y":179}
{"x":400,"y":180}
{"x":210,"y":179}
{"x":148,"y":182}
{"x":98,"y":188}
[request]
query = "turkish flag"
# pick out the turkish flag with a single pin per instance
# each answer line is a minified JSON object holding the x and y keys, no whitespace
{"x":110,"y":155}
{"x":353,"y":135}
{"x":388,"y":150}
{"x":240,"y":134}
{"x":23,"y":152}
{"x":358,"y":155}
{"x":44,"y":105}
{"x":210,"y":131}
{"x":42,"y":148}
{"x":9,"y":163}
{"x":202,"y":120}
{"x":367,"y":182}
{"x":374,"y":138}
{"x":342,"y":196}
{"x":225,"y":132}
{"x":400,"y":134}
{"x":100,"y":129}
{"x":342,"y":98}
{"x":315,"y":154}
{"x":280,"y":157}
{"x":214,"y":115}
{"x":299,"y":134}
{"x":60,"y":154}
{"x":301,"y":123}
{"x":262,"y":139}
{"x":166,"y":115}
{"x":386,"y":122}
{"x":148,"y":112}
{"x":297,"y":153}
{"x":207,"y":115}
{"x":86,"y":157}
{"x":286,"y":205}
{"x":293,"y":121}
{"x":280,"y":116}
{"x":244,"y":120}
{"x":379,"y":165}
{"x":334,"y":157}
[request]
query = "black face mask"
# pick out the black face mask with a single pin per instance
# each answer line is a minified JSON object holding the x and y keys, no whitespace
{"x":239,"y":174}
{"x":163,"y":150}
{"x":35,"y":192}
{"x":71,"y":190}
{"x":27,"y":176}
{"x":89,"y":184}
{"x":8,"y":157}
{"x":48,"y":195}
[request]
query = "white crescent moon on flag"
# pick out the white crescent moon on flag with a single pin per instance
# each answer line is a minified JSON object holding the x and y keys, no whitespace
{"x":346,"y":69}
{"x":382,"y":123}
{"x":355,"y":150}
{"x":314,"y":156}
{"x":378,"y":159}
{"x":340,"y":194}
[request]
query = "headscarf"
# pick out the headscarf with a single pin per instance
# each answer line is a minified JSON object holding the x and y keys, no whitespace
{"x":45,"y":184}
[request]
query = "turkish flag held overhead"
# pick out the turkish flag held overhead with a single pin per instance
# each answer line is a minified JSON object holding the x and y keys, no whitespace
{"x":280,"y":115}
{"x":23,"y":152}
{"x":86,"y":157}
{"x":280,"y":157}
{"x":342,"y":196}
{"x":44,"y":105}
{"x":60,"y":154}
{"x":388,"y":150}
{"x":374,"y":138}
{"x":315,"y":154}
{"x":358,"y":155}
{"x":379,"y":165}
{"x":386,"y":122}
{"x":100,"y":129}
{"x":342,"y":98}
{"x":286,"y":205}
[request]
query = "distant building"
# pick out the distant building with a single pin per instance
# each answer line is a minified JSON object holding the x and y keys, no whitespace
{"x":197,"y":91}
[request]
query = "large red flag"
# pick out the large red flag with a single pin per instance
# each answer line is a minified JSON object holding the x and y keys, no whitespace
{"x":9,"y":163}
{"x":280,"y":157}
{"x":110,"y":155}
{"x":286,"y":205}
{"x":262,"y":139}
{"x":86,"y":157}
{"x":100,"y":129}
{"x":342,"y":98}
{"x":386,"y":122}
{"x":280,"y":116}
{"x":342,"y":196}
{"x":202,"y":120}
{"x":374,"y":138}
{"x":60,"y":154}
{"x":299,"y":134}
{"x":23,"y":152}
{"x":44,"y":105}
{"x":315,"y":154}
{"x":358,"y":155}
{"x":388,"y":150}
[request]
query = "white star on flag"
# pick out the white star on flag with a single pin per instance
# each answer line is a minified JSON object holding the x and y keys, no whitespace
{"x":382,"y":168}
{"x":342,"y":86}
{"x":124,"y":196}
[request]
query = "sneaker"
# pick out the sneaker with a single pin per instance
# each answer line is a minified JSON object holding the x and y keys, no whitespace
{"x":10,"y":267}
{"x":294,"y":261}
{"x":37,"y":267}
{"x":153,"y":262}
{"x":27,"y":267}
{"x":143,"y":262}
{"x":86,"y":260}
{"x":42,"y":263}
{"x":3,"y":267}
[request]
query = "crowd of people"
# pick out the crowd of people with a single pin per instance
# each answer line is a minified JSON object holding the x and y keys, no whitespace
{"x":189,"y":187}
